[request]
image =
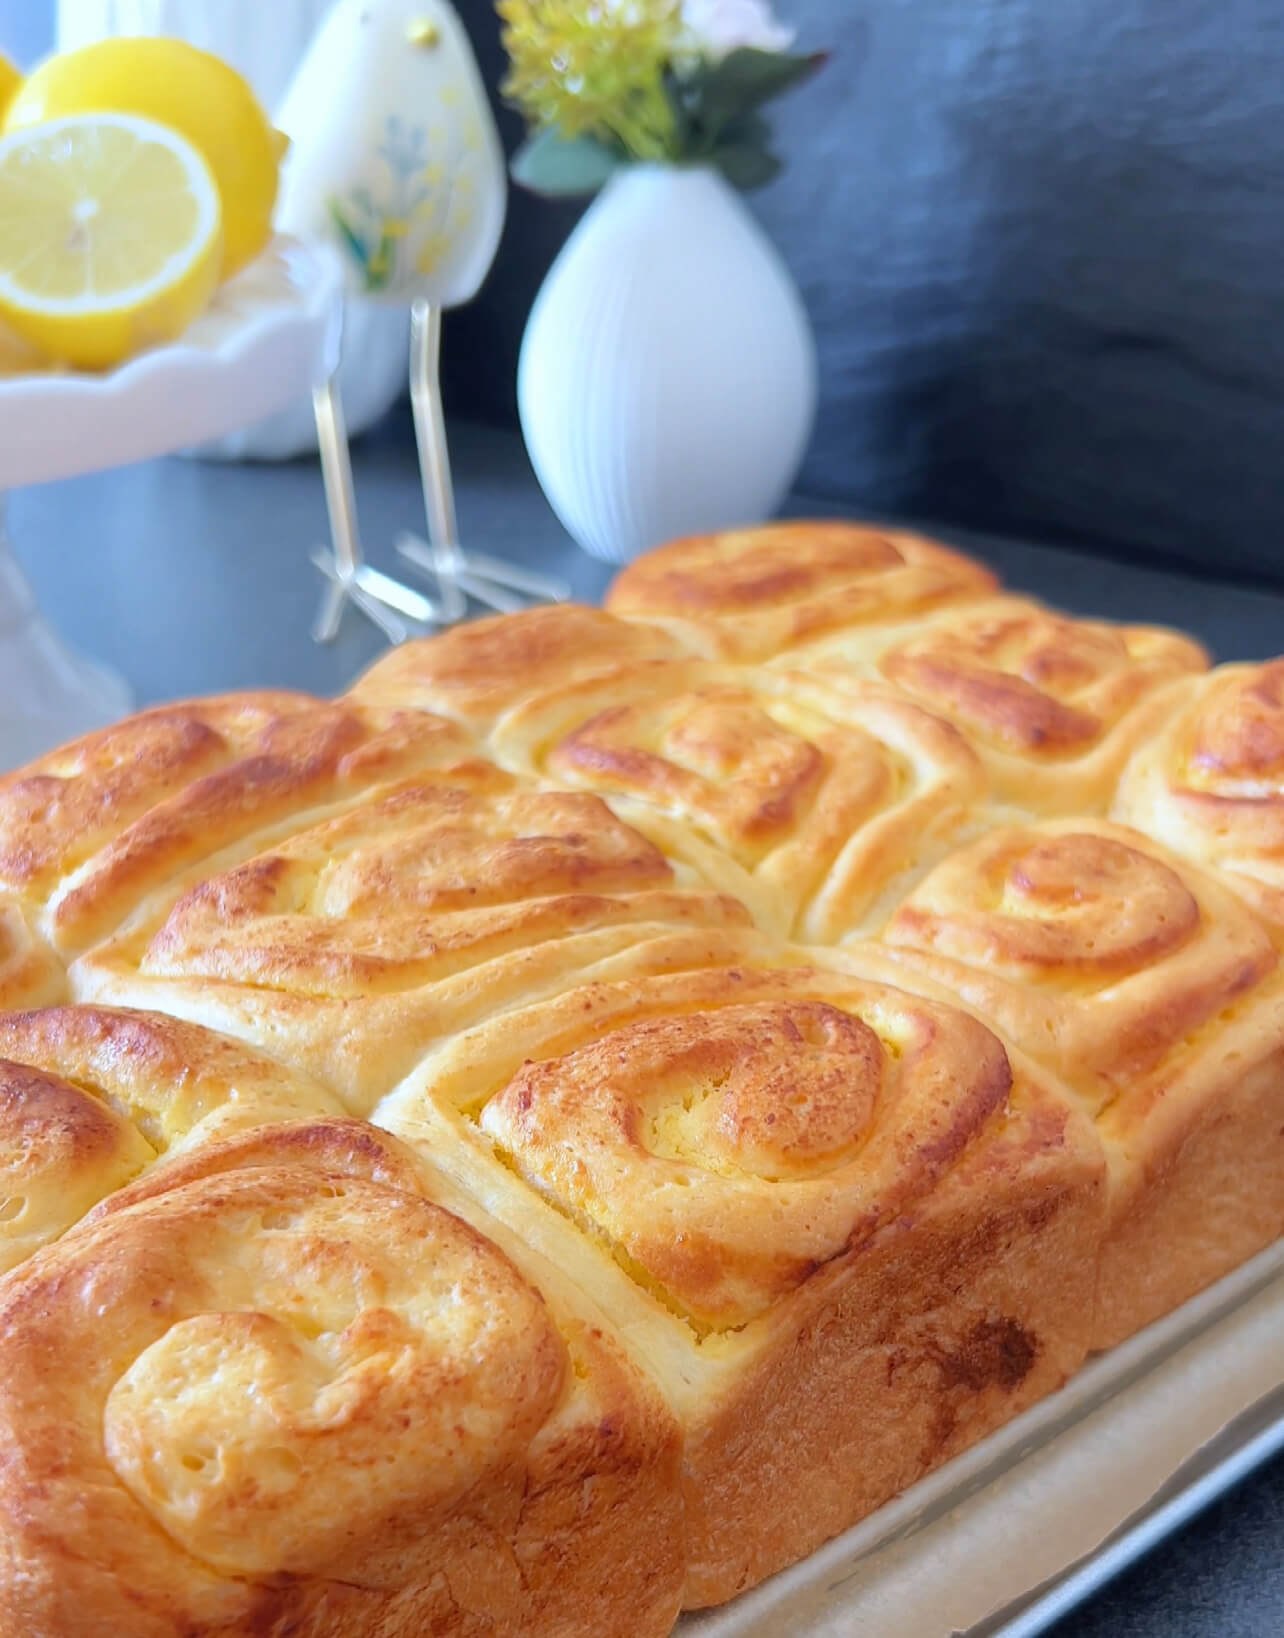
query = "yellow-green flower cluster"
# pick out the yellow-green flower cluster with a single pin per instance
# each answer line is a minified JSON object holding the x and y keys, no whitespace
{"x":595,"y":68}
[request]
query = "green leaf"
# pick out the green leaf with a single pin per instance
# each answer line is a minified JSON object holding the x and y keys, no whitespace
{"x":746,"y":80}
{"x":743,"y":153}
{"x":557,"y":167}
{"x":746,"y":166}
{"x":356,"y":245}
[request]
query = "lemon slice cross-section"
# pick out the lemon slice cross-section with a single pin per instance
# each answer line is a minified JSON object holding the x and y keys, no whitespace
{"x":191,"y":92}
{"x":110,"y":237}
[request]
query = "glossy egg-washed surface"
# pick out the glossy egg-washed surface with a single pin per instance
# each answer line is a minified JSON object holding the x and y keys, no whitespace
{"x":670,"y":1075}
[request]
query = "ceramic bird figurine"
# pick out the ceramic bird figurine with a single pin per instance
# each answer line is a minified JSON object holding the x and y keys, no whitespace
{"x":396,"y":162}
{"x":395,"y":158}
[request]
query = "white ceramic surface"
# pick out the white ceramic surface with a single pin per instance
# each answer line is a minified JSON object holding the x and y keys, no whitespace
{"x":265,"y":40}
{"x":395,"y":158}
{"x":270,"y":336}
{"x":667,"y":383}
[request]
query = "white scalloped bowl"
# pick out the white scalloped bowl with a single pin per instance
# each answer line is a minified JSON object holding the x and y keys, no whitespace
{"x":271,"y":335}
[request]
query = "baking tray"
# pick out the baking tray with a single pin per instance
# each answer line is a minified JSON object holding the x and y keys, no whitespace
{"x":1007,"y":1538}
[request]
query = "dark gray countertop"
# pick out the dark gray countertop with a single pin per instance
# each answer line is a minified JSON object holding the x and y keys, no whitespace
{"x":191,"y":578}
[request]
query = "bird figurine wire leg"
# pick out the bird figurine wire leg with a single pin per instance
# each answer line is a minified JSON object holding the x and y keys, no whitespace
{"x":349,"y":578}
{"x":457,"y":574}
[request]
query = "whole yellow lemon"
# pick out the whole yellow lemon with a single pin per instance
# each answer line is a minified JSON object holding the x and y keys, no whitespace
{"x":193,"y":93}
{"x":10,"y":80}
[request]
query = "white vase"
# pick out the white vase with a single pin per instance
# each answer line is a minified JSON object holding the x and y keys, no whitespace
{"x":265,"y":40}
{"x":667,"y":383}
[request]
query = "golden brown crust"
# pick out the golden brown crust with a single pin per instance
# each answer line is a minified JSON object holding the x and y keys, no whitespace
{"x":133,"y":1487}
{"x":475,"y":672}
{"x":942,"y":1327}
{"x":1211,"y":785}
{"x":1054,"y":706}
{"x":751,"y":593}
{"x":806,"y":804}
{"x":1093,"y":948}
{"x":61,"y":1150}
{"x":234,"y":1457}
{"x":90,"y":831}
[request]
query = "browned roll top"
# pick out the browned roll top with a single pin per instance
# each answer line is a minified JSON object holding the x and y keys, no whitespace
{"x":93,"y":829}
{"x":1057,"y":905}
{"x":475,"y":672}
{"x":729,"y":1152}
{"x":411,"y":887}
{"x":1033,"y":681}
{"x":1212,"y":784}
{"x":1091,"y":947}
{"x":753,"y":593}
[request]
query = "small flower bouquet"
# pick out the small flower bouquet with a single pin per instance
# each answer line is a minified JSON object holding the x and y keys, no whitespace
{"x":605,"y":83}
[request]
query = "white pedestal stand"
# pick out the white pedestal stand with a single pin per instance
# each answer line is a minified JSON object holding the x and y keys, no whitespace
{"x":270,"y":337}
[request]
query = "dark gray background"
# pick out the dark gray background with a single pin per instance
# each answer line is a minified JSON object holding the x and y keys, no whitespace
{"x":1042,"y":242}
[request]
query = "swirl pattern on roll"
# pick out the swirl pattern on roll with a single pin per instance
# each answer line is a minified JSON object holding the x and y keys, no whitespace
{"x":727,"y":1152}
{"x":806,"y":815}
{"x":752,"y":593}
{"x":361,"y":939}
{"x":242,"y":1420}
{"x":1053,"y":705}
{"x":1090,"y":946}
{"x":1211,"y":786}
{"x":88,"y":832}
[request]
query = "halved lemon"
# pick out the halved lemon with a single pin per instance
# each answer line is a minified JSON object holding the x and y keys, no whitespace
{"x":195,"y":94}
{"x":110,"y":237}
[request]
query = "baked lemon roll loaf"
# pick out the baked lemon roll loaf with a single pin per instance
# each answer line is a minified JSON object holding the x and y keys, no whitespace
{"x":1211,"y":784}
{"x":553,"y":1136}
